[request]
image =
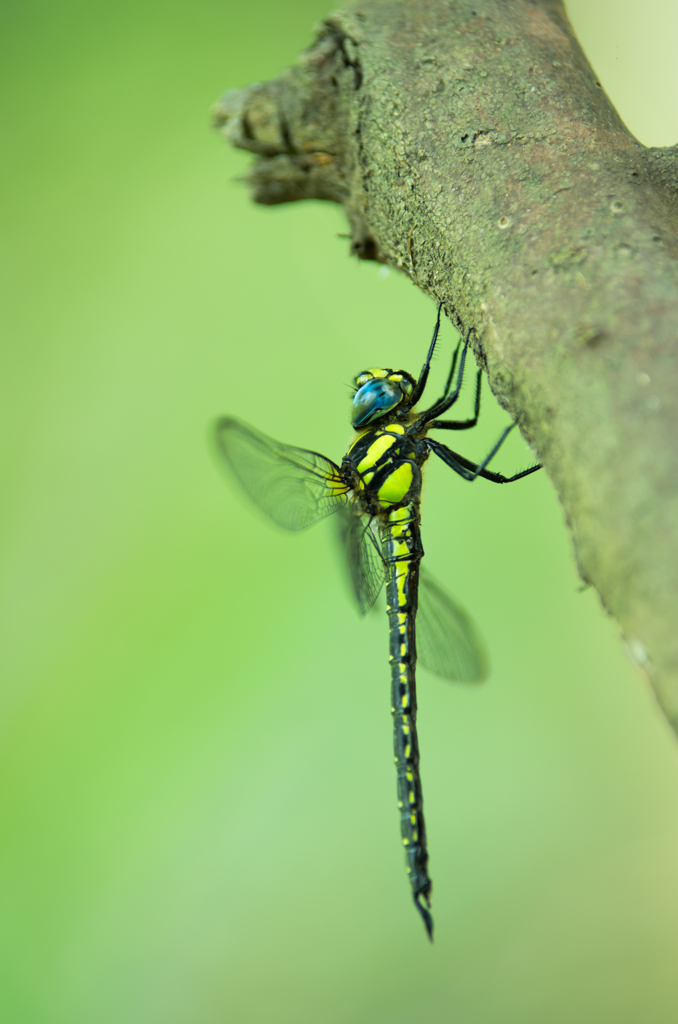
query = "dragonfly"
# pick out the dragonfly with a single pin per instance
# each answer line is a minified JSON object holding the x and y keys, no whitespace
{"x":375,"y":495}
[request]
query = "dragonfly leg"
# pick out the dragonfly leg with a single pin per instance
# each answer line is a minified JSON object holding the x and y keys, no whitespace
{"x":462,"y":424}
{"x":449,"y":398}
{"x":423,"y":376}
{"x":471,"y":470}
{"x":450,"y":376}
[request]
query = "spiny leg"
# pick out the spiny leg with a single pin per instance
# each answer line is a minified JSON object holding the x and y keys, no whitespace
{"x":423,"y":376}
{"x":450,"y":376}
{"x":471,"y":470}
{"x":448,"y":400}
{"x":494,"y":451}
{"x":462,"y":424}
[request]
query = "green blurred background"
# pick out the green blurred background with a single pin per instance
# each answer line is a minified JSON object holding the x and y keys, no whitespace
{"x":198,"y":800}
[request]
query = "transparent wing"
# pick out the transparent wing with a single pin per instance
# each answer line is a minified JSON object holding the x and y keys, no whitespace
{"x":295,"y":487}
{"x":366,"y":567}
{"x":448,"y":642}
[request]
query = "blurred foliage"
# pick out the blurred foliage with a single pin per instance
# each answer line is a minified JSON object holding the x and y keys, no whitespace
{"x":197,"y":817}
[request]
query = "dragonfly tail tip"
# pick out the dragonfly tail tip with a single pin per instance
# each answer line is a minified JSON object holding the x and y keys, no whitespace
{"x":425,"y":915}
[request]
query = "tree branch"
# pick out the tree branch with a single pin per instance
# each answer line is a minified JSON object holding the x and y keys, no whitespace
{"x":472,"y":148}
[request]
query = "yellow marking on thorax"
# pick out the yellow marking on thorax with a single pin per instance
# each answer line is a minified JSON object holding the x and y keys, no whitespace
{"x":379,"y":446}
{"x":396,"y":485}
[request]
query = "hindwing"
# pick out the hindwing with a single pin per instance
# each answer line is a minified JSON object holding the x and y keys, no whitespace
{"x":448,"y":642}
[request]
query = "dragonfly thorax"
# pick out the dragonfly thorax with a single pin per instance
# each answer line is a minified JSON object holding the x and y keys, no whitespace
{"x":382,"y":468}
{"x":379,"y":392}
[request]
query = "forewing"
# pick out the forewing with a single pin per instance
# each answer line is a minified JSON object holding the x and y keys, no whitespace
{"x":448,"y":642}
{"x":362,"y":550}
{"x":293,"y":486}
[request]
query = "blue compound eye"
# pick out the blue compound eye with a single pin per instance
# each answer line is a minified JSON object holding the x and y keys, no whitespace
{"x":374,"y":399}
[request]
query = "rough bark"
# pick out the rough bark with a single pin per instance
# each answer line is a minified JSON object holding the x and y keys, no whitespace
{"x":473,"y":148}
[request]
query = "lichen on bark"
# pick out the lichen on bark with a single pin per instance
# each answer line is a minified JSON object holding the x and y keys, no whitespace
{"x":473,"y":148}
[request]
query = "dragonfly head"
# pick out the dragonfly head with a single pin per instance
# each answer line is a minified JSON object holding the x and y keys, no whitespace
{"x":379,"y":392}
